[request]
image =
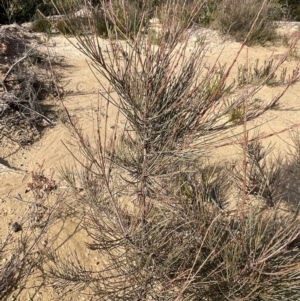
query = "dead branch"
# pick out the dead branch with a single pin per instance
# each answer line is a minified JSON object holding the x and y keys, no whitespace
{"x":3,"y":80}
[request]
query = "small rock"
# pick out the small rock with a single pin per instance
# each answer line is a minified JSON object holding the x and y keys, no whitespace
{"x":45,"y":242}
{"x":16,"y":227}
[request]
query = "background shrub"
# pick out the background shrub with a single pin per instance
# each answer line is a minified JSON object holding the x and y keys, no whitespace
{"x":18,"y":10}
{"x":69,"y":27}
{"x":41,"y":25}
{"x":126,"y":17}
{"x":207,"y":13}
{"x":21,"y":11}
{"x":236,"y":17}
{"x":188,"y":13}
{"x":290,"y":9}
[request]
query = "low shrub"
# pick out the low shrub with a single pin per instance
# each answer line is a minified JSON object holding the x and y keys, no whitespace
{"x":237,"y":18}
{"x":156,"y":216}
{"x":70,"y":27}
{"x":254,"y":73}
{"x":41,"y":25}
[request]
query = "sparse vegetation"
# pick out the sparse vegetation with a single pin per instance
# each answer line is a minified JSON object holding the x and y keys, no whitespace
{"x":255,"y":73}
{"x":20,"y":259}
{"x":163,"y":223}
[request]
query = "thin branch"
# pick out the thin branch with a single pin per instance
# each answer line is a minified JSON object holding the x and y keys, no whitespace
{"x":2,"y":81}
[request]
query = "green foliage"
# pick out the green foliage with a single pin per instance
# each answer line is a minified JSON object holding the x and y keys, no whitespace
{"x":41,"y":25}
{"x":235,"y":115}
{"x":154,"y":36}
{"x":254,"y":74}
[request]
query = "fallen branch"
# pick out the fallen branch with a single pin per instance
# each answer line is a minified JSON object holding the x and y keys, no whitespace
{"x":13,"y":99}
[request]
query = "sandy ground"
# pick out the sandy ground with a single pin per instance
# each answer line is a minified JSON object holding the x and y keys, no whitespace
{"x":81,"y":86}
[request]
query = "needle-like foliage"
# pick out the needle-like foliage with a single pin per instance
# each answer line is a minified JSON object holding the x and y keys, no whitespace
{"x":154,"y":212}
